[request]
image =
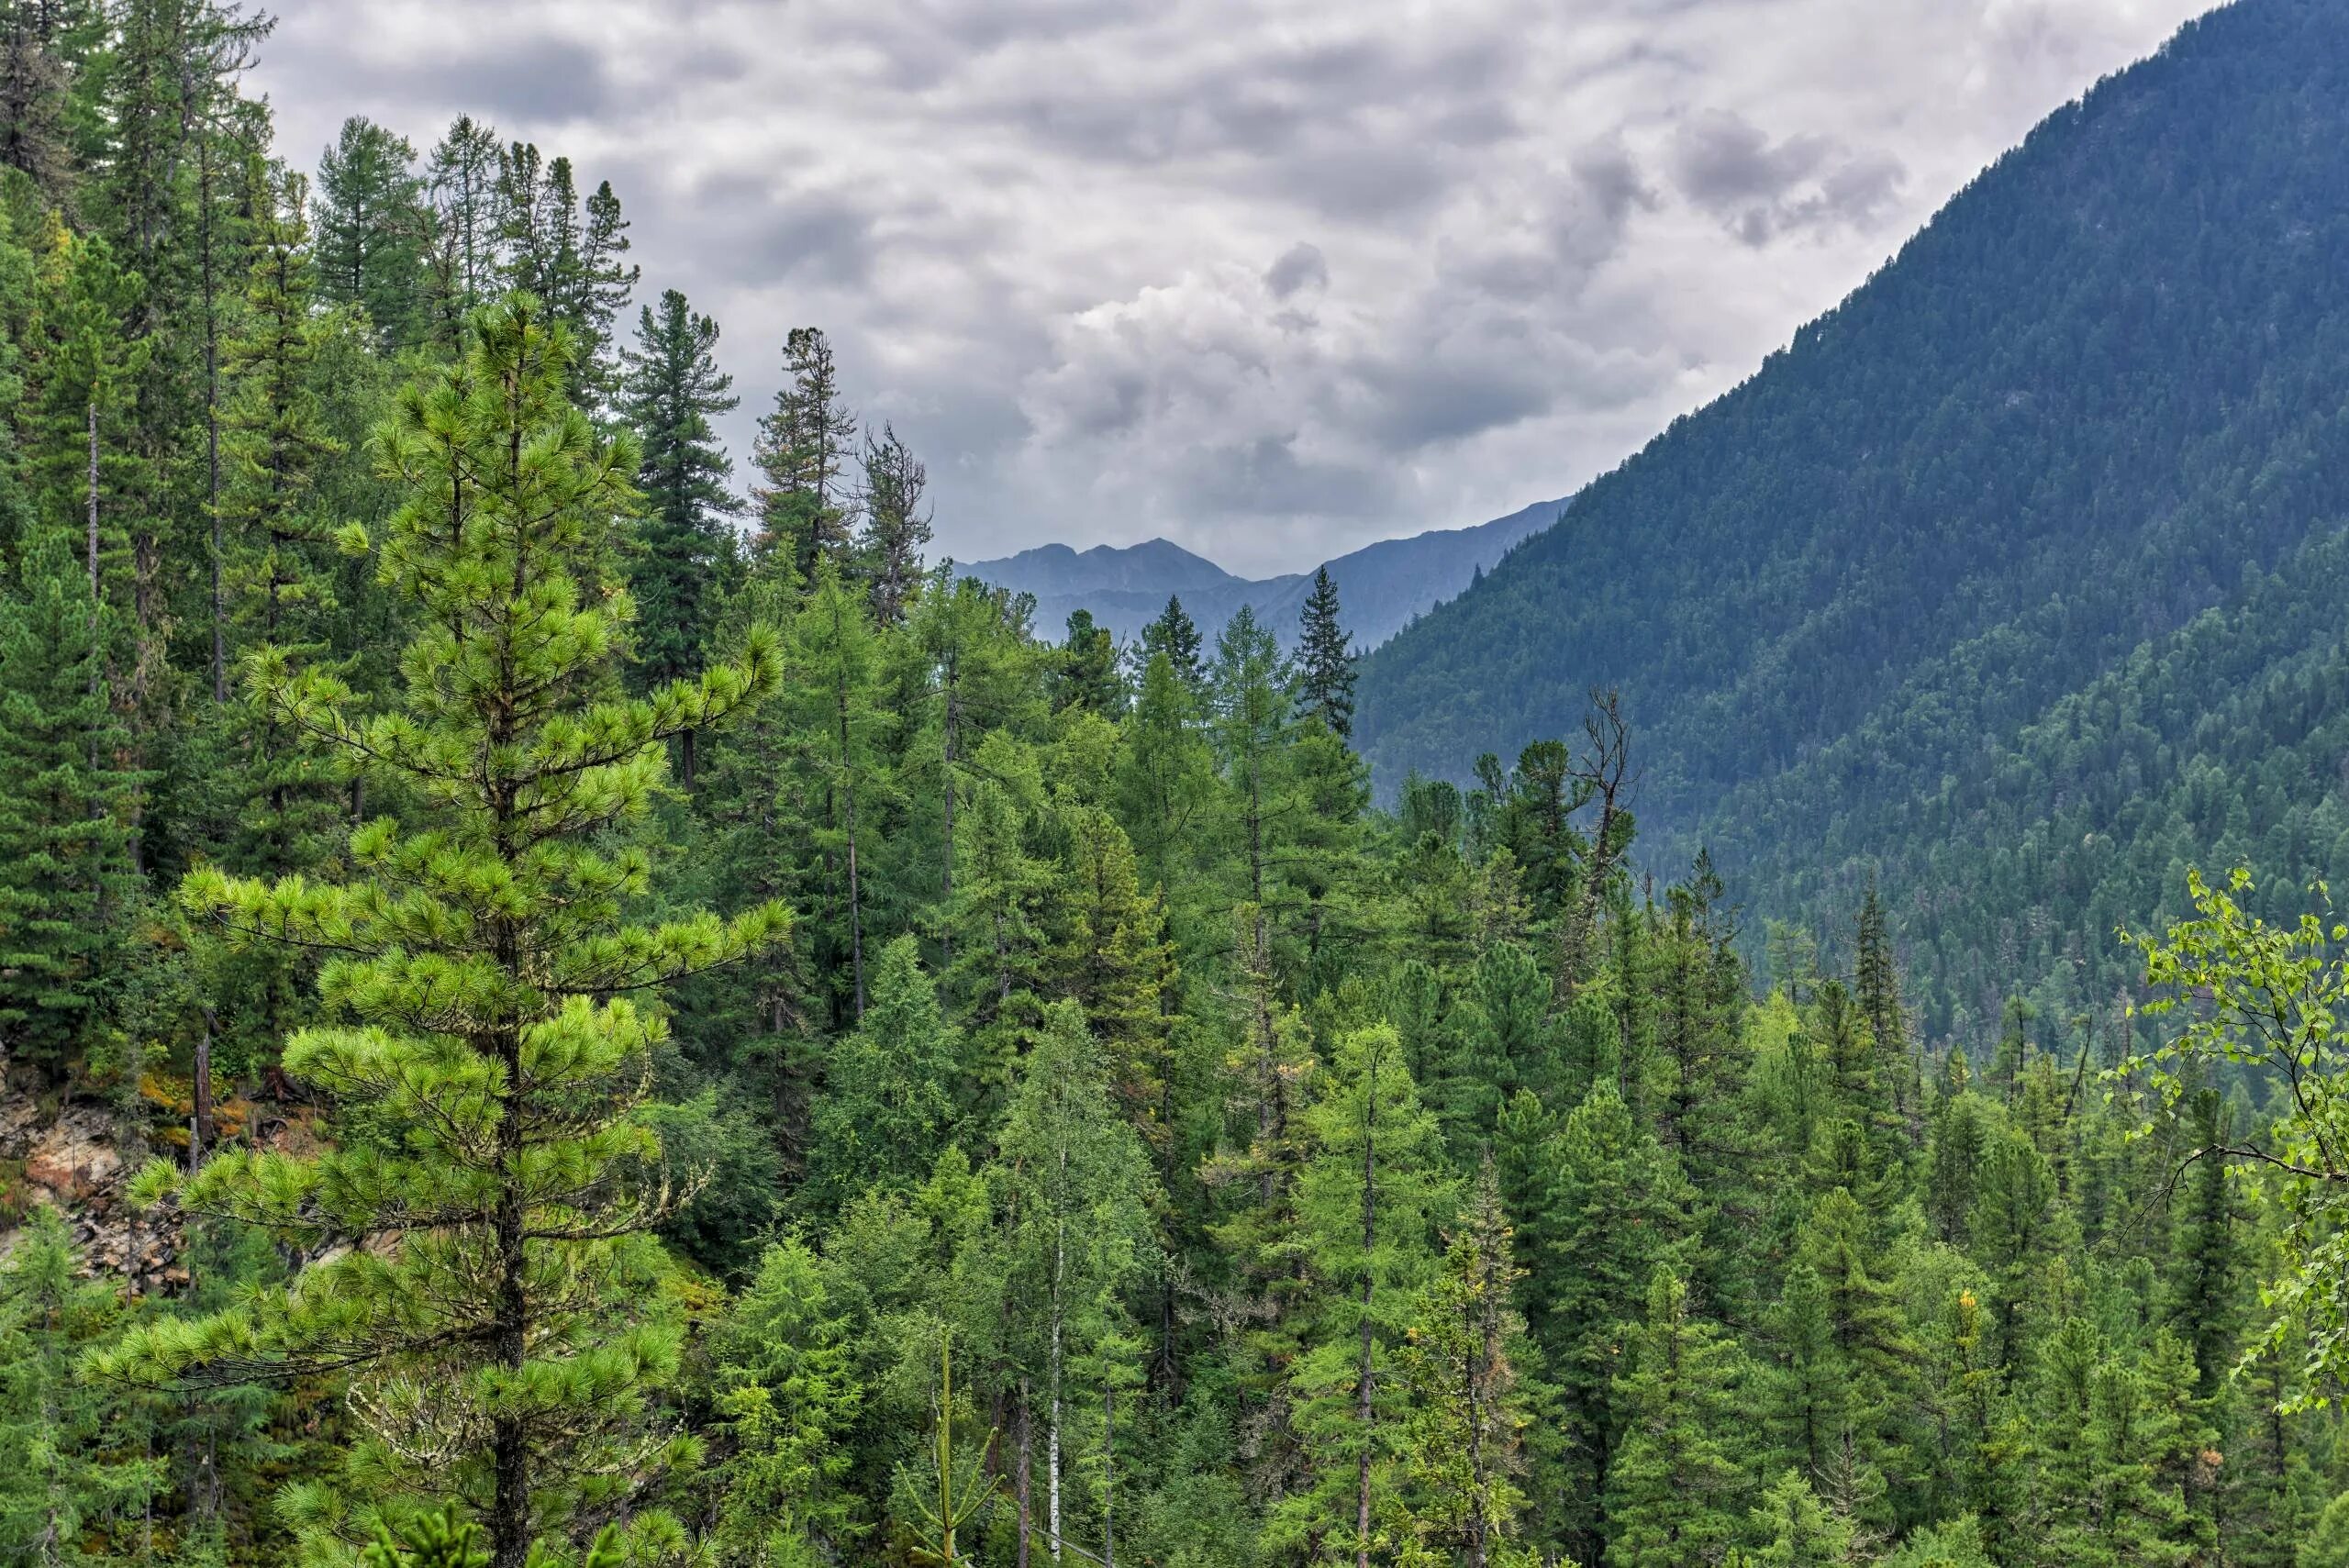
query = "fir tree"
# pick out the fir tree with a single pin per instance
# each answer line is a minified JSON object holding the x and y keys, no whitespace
{"x":504,"y":1350}
{"x":889,"y":1092}
{"x":1325,"y":660}
{"x":1671,"y":1490}
{"x":1174,"y":635}
{"x":461,"y":184}
{"x":67,"y":886}
{"x":671,"y":391}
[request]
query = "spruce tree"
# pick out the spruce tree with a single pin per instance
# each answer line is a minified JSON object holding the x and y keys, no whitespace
{"x":503,"y":1346}
{"x":1325,"y":660}
{"x":671,"y":392}
{"x":67,"y":886}
{"x":1087,"y":678}
{"x":1672,"y":1490}
{"x":1174,"y":635}
{"x":461,"y":184}
{"x":889,"y":1090}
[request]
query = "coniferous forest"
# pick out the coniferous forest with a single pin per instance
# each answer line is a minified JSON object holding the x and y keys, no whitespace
{"x":567,"y":1001}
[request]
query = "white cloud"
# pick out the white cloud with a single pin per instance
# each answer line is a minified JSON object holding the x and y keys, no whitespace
{"x":1269,"y":277}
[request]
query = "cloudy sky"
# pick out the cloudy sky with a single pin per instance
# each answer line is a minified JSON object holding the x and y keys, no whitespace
{"x":1272,"y":278}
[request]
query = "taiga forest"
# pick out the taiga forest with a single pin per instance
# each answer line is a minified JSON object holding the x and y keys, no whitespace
{"x":574,"y":998}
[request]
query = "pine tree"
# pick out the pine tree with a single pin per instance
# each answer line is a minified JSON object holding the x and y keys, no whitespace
{"x":897,"y":525}
{"x":673,"y":389}
{"x":67,"y":886}
{"x":803,"y":453}
{"x":1877,"y":983}
{"x":1672,"y":1490}
{"x":372,"y":230}
{"x":832,"y":694}
{"x":1325,"y":660}
{"x":503,"y":1351}
{"x":1087,"y":679}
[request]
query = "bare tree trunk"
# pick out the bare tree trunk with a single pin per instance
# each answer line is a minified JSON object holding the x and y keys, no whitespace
{"x":1022,"y":1489}
{"x":1362,"y":1387}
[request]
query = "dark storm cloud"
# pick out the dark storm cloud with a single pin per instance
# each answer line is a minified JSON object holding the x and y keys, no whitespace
{"x":1056,"y":243}
{"x":1760,"y":188}
{"x":1299,"y":266}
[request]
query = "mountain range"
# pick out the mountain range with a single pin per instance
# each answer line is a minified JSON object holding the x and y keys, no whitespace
{"x":1383,"y":587}
{"x":2017,"y":581}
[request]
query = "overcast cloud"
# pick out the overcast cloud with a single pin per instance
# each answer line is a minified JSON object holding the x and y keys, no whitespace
{"x":1271,"y":278}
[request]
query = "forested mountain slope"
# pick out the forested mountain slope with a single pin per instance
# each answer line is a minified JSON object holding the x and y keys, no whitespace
{"x":2101,"y":388}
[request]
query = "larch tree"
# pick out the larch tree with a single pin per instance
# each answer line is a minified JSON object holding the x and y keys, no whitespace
{"x":372,"y":229}
{"x":501,"y":1330}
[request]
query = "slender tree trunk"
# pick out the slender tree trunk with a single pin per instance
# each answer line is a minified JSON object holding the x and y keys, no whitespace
{"x":1052,"y":1433}
{"x":199,"y":1132}
{"x":1108,"y":1477}
{"x":212,"y":424}
{"x":1362,"y":1387}
{"x":946,"y":737}
{"x":1022,"y":1488}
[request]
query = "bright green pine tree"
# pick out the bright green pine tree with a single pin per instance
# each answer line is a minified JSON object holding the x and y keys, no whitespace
{"x":1801,"y":1531}
{"x":671,"y":390}
{"x":373,"y":228}
{"x":67,"y":884}
{"x":1165,"y":788}
{"x":1325,"y":660}
{"x":1674,"y":1489}
{"x":1113,"y":960}
{"x":889,"y":1090}
{"x":74,"y":1479}
{"x":503,"y":1353}
{"x":1372,"y":1190}
{"x":461,"y":198}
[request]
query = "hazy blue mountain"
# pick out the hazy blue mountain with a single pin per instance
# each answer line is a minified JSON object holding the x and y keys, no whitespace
{"x":1383,"y":587}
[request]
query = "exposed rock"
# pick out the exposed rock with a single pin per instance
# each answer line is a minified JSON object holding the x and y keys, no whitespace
{"x":76,"y":1158}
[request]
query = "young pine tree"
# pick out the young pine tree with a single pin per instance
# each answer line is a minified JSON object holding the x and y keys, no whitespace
{"x":500,"y":1335}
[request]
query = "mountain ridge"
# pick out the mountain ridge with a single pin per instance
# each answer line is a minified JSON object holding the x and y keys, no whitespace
{"x":1381,"y":586}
